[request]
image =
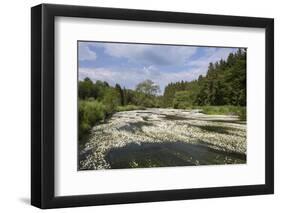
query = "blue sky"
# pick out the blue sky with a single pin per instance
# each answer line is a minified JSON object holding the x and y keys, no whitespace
{"x":129,"y":64}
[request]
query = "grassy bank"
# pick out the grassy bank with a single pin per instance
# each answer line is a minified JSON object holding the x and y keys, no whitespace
{"x":128,"y":108}
{"x":224,"y":110}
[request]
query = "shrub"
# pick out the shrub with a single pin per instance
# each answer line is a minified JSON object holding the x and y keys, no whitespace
{"x":111,"y":100}
{"x":90,"y":113}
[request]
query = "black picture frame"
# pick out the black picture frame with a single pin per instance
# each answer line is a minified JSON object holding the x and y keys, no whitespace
{"x":43,"y":105}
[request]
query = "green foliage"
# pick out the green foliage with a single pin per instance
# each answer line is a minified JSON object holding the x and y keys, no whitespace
{"x":242,"y":113}
{"x":224,"y":110}
{"x":90,"y":113}
{"x":148,"y":87}
{"x":219,"y":110}
{"x":111,"y":100}
{"x":224,"y":84}
{"x":120,"y":94}
{"x":129,"y":108}
{"x":88,"y":89}
{"x":172,"y":93}
{"x":144,"y":95}
{"x":183,"y":99}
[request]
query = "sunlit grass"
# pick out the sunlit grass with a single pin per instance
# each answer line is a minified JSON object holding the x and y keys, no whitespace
{"x":224,"y":110}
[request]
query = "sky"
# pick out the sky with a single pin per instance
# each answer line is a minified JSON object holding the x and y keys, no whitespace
{"x":129,"y":64}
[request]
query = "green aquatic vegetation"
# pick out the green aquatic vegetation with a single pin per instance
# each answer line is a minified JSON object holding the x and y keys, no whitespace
{"x":128,"y":108}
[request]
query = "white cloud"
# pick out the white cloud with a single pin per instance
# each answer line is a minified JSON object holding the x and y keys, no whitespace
{"x":150,"y":54}
{"x":212,"y":55}
{"x":130,"y":77}
{"x":85,"y":53}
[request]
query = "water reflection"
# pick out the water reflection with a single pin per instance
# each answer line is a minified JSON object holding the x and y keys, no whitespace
{"x":169,"y":154}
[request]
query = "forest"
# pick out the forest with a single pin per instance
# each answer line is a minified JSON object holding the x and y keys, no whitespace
{"x":221,"y":91}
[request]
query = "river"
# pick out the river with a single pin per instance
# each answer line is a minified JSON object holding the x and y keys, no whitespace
{"x":164,"y":137}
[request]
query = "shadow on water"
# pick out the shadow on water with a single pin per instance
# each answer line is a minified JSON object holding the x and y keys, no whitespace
{"x":134,"y":126}
{"x":175,"y":117}
{"x":179,"y":118}
{"x":230,"y":121}
{"x":216,"y":129}
{"x":169,"y":154}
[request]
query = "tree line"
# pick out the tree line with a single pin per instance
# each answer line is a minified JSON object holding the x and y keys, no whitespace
{"x":224,"y":84}
{"x":145,"y":93}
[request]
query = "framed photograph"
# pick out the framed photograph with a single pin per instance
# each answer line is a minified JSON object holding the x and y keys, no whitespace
{"x":139,"y":106}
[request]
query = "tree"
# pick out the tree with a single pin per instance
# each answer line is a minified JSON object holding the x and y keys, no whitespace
{"x":85,"y":88}
{"x":183,"y":99}
{"x":148,"y":87}
{"x":121,"y":94}
{"x":110,"y":100}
